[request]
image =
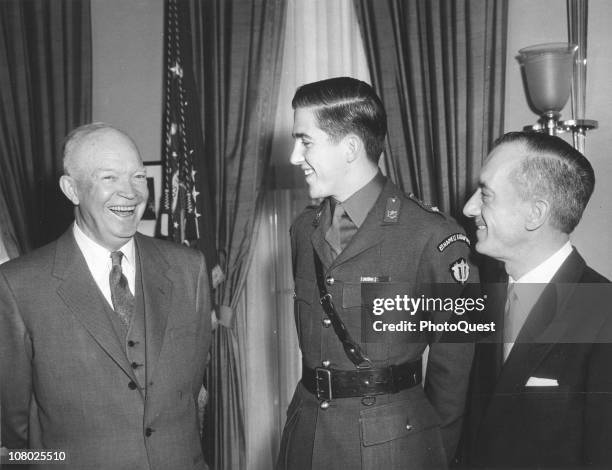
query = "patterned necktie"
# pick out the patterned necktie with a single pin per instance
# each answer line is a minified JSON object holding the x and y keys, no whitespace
{"x":122,"y":298}
{"x":512,"y":321}
{"x":341,"y":230}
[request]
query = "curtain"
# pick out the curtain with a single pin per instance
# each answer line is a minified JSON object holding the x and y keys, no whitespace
{"x":439,"y":66}
{"x":9,"y":247}
{"x":45,"y":91}
{"x":322,"y":40}
{"x":237,"y":52}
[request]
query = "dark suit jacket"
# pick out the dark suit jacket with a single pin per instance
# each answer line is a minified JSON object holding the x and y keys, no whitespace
{"x":566,"y":338}
{"x":415,"y":428}
{"x":60,"y":355}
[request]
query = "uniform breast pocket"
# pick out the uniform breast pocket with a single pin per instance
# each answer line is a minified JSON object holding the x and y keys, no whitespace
{"x":397,"y":433}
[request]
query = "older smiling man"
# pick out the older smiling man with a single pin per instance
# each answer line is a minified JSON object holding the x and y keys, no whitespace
{"x":104,"y":333}
{"x":541,"y":395}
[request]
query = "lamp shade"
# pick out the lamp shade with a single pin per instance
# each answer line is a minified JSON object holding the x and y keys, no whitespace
{"x":548,"y":73}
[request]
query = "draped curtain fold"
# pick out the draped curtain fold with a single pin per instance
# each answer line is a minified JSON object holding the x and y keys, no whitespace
{"x":439,"y":66}
{"x":45,"y":91}
{"x":9,"y":248}
{"x":237,"y":59}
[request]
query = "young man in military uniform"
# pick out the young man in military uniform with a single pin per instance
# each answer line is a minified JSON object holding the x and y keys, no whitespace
{"x":362,"y":404}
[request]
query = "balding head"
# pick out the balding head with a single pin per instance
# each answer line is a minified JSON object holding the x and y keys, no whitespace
{"x":106,"y":181}
{"x":80,"y":143}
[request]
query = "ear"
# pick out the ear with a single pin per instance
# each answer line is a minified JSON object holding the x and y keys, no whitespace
{"x":354,"y":147}
{"x":69,"y":188}
{"x":537,"y":214}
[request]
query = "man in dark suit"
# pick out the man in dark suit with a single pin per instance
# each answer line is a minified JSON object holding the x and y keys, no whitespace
{"x":541,"y":395}
{"x":361,"y":404}
{"x":104,"y":333}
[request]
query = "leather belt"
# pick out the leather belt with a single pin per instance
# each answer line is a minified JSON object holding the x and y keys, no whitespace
{"x":327,"y":383}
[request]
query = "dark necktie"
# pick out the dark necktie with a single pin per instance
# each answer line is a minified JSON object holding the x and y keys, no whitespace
{"x":341,"y":230}
{"x":122,"y":298}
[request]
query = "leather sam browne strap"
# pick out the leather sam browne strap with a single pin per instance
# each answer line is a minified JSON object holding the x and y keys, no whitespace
{"x":351,"y":348}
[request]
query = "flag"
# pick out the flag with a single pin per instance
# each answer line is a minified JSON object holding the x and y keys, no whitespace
{"x":182,"y":205}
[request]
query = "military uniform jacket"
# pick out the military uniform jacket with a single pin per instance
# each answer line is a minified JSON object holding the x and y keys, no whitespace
{"x":400,"y":240}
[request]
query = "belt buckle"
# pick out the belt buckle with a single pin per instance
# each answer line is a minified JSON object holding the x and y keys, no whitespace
{"x":324,"y":390}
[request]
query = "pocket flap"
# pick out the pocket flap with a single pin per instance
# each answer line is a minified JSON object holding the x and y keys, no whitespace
{"x":394,"y":420}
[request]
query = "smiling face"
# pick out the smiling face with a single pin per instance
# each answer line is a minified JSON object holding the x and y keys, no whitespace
{"x":498,"y":210}
{"x":108,"y":186}
{"x":324,"y":163}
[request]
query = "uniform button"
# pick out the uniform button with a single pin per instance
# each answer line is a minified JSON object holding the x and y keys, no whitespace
{"x":135,"y":365}
{"x":324,"y":405}
{"x":329,"y":280}
{"x":149,"y":431}
{"x":326,"y":363}
{"x":294,"y":295}
{"x":409,"y":427}
{"x":131,"y":343}
{"x":326,"y":322}
{"x":132,"y":385}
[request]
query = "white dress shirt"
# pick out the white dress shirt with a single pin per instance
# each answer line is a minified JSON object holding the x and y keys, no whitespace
{"x":530,"y":286}
{"x":99,"y":262}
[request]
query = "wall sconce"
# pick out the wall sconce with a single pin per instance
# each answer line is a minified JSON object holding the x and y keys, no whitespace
{"x":552,"y":70}
{"x":548,"y":72}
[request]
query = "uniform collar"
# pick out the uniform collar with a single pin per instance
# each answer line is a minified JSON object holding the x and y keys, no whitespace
{"x":359,"y":204}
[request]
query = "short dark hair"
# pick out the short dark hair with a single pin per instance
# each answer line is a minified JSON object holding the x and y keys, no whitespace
{"x":556,"y":171}
{"x":345,"y":105}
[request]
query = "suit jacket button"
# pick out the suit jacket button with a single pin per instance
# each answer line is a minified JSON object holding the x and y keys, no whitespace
{"x":132,"y":385}
{"x":131,"y":343}
{"x":324,"y":405}
{"x":326,"y":322}
{"x":329,"y":280}
{"x":149,"y":431}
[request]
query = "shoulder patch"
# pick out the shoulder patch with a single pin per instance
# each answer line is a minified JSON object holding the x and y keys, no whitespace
{"x":455,"y":237}
{"x":460,"y":270}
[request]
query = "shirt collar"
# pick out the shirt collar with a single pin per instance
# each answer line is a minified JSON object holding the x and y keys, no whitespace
{"x":544,"y":272}
{"x":96,"y":252}
{"x":359,"y":204}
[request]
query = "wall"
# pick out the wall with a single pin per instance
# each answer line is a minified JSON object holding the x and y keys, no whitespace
{"x":545,"y":21}
{"x":127,"y":42}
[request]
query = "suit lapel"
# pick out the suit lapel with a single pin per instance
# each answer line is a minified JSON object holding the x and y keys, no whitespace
{"x":545,"y":326}
{"x":157,"y":295}
{"x":81,"y":295}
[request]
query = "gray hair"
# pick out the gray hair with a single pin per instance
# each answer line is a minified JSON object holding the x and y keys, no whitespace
{"x":555,"y":171}
{"x":77,"y":136}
